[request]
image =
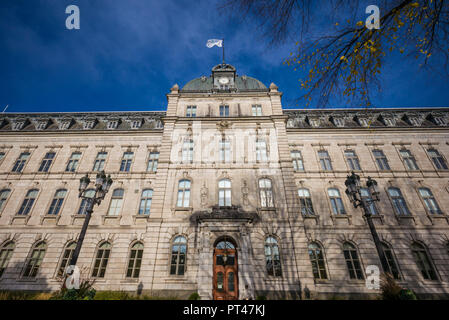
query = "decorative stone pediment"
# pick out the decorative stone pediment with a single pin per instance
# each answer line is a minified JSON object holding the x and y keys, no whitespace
{"x":217,"y":213}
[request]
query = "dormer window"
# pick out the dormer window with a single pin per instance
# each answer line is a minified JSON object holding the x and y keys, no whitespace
{"x":415,"y":121}
{"x":112,"y":124}
{"x":390,"y":122}
{"x":18,"y":125}
{"x":41,"y":125}
{"x":88,"y":124}
{"x":439,"y":120}
{"x":159,"y":124}
{"x":364,"y":122}
{"x":339,"y":122}
{"x":314,"y":122}
{"x":136,"y":124}
{"x":65,"y":124}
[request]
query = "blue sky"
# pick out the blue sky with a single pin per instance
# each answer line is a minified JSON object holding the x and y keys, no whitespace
{"x":128,"y":54}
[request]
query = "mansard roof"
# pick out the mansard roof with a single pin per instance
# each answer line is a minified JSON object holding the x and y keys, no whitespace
{"x":297,"y":119}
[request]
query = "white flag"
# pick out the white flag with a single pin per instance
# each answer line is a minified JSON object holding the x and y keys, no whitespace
{"x":214,"y":42}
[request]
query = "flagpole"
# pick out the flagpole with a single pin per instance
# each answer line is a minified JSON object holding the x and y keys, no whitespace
{"x":223,"y":52}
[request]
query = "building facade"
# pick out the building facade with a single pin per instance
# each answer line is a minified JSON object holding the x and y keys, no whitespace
{"x":226,"y":194}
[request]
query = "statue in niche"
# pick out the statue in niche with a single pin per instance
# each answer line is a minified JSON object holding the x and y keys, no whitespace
{"x":204,"y":193}
{"x":245,"y":193}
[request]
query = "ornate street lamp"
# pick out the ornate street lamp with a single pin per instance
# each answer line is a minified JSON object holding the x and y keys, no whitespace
{"x":102,"y":185}
{"x":353,"y":191}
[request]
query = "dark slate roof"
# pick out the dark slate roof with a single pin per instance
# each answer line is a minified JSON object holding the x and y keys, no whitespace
{"x":242,"y":83}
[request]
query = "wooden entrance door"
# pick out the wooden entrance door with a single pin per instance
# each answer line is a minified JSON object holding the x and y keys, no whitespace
{"x":225,"y":272}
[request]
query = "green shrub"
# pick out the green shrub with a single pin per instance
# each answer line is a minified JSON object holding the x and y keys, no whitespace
{"x":113,"y":295}
{"x":407,"y":294}
{"x":261,"y":298}
{"x":194,"y":296}
{"x":390,"y":288}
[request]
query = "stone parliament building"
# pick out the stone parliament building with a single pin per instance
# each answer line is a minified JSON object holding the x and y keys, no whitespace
{"x":226,"y":194}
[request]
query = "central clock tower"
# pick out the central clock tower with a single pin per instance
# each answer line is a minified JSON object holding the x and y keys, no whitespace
{"x":223,"y":77}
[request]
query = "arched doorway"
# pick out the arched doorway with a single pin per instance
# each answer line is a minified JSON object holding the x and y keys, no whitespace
{"x":225,"y":281}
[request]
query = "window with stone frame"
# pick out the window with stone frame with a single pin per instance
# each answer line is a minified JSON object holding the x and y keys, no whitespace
{"x":145,"y":202}
{"x":352,"y":160}
{"x":437,"y":159}
{"x":429,"y":201}
{"x":336,"y":201}
{"x":424,"y":262}
{"x":391,"y":261}
{"x":56,"y":203}
{"x":100,"y":161}
{"x":187,"y":151}
{"x":399,"y":204}
{"x":34,"y":260}
{"x":85,"y":202}
{"x":316,"y":256}
{"x":353,"y":262}
{"x":178,"y":256}
{"x":47,"y":161}
{"x":257,"y":110}
{"x":4,"y":194}
{"x":371,"y":206}
{"x":191,"y":111}
{"x":298,"y":163}
{"x":225,"y":150}
{"x":6,"y":251}
{"x":20,"y":162}
{"x":305,"y":201}
{"x":224,"y":111}
{"x":272,"y":257}
{"x":261,"y":150}
{"x":135,"y":260}
{"x":153,"y":160}
{"x":66,"y":257}
{"x":72,"y":165}
{"x":183,"y":193}
{"x":116,"y":202}
{"x":127,"y":161}
{"x":409,"y":159}
{"x":224,"y":193}
{"x":325,"y":160}
{"x":266,"y":193}
{"x":28,"y":202}
{"x":101,"y":260}
{"x":381,"y":160}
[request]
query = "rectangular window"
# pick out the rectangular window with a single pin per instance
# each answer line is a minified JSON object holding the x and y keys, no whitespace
{"x":2,"y":155}
{"x":191,"y":111}
{"x":127,"y":160}
{"x":99,"y":161}
{"x":298,"y":164}
{"x":257,"y":110}
{"x":20,"y":162}
{"x":261,"y":151}
{"x":187,"y":151}
{"x":353,"y":160}
{"x":409,"y":160}
{"x":325,"y":160}
{"x":437,"y":159}
{"x":73,"y":162}
{"x":224,"y":111}
{"x":225,"y":151}
{"x":46,"y":163}
{"x":153,"y":160}
{"x":381,"y":160}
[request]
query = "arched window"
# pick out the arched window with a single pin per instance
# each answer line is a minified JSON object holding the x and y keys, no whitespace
{"x":116,"y":202}
{"x":5,"y":255}
{"x":305,"y":201}
{"x":391,"y":260}
{"x":424,"y":262}
{"x":429,"y":200}
{"x":399,"y":204}
{"x":272,"y":257}
{"x":316,"y":256}
{"x":224,"y":193}
{"x":28,"y":202}
{"x":145,"y":201}
{"x":178,"y":256}
{"x":101,"y":260}
{"x":66,"y":257}
{"x":34,"y":260}
{"x":336,"y":201}
{"x":135,"y":260}
{"x":90,"y":193}
{"x":184,"y":193}
{"x":57,"y":201}
{"x":352,"y":261}
{"x":266,"y":193}
{"x":4,"y":194}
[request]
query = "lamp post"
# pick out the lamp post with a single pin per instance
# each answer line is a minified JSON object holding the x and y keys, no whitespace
{"x":102,"y":185}
{"x":353,"y":191}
